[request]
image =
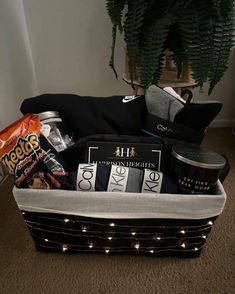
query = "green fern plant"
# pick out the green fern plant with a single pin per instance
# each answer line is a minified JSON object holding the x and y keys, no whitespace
{"x":115,"y":9}
{"x":200,"y":31}
{"x":222,"y":41}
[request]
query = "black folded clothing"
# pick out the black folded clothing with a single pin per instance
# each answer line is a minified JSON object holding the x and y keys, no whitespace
{"x":198,"y":115}
{"x":93,"y":115}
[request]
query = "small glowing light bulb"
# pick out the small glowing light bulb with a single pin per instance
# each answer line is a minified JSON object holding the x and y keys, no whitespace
{"x":46,"y":240}
{"x":182,"y":231}
{"x":183,"y":245}
{"x":66,"y":220}
{"x":137,"y":246}
{"x":107,"y":251}
{"x":110,"y":238}
{"x":204,"y":236}
{"x":65,"y":247}
{"x":23,"y":212}
{"x":84,"y":229}
{"x":158,"y":238}
{"x":112,"y":225}
{"x":133,"y":233}
{"x":210,"y":223}
{"x":151,"y":251}
{"x":195,"y":249}
{"x":90,"y":245}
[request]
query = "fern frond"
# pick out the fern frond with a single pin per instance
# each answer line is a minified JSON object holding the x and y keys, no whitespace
{"x":152,"y":48}
{"x":115,"y":9}
{"x":204,"y":36}
{"x":195,"y":27}
{"x":132,"y":28}
{"x":222,"y":42}
{"x":111,"y":60}
{"x":158,"y":72}
{"x":174,"y":44}
{"x":224,"y":7}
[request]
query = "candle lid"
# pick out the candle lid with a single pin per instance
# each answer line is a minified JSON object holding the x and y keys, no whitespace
{"x":48,"y":114}
{"x":196,"y":156}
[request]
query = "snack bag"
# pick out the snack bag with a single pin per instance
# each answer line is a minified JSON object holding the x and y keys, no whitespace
{"x":29,"y":156}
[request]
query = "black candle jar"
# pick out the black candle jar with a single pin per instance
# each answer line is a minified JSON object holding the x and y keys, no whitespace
{"x":197,"y":170}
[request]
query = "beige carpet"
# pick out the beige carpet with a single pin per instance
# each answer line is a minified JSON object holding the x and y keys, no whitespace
{"x":23,"y":270}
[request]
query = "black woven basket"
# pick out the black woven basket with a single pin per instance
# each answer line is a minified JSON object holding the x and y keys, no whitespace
{"x":71,"y":221}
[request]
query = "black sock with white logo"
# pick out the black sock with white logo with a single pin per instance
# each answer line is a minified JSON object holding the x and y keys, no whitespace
{"x":86,"y":116}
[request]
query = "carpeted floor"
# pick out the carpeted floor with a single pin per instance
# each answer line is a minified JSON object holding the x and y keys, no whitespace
{"x":23,"y":270}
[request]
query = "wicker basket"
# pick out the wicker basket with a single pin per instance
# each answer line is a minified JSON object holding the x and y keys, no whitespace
{"x":114,"y":223}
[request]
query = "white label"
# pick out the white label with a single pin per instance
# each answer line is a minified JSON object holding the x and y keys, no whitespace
{"x":152,"y":181}
{"x":45,"y":129}
{"x":118,"y":178}
{"x":86,"y":177}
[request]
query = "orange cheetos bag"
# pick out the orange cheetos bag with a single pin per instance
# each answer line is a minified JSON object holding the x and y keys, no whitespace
{"x":30,"y":157}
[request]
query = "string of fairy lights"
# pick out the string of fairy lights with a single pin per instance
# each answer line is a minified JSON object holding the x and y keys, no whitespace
{"x":66,"y":249}
{"x":66,"y":220}
{"x":135,"y":248}
{"x":130,"y":234}
{"x":112,"y":224}
{"x":183,"y":244}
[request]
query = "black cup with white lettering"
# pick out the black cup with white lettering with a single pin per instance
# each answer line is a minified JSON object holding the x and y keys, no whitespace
{"x":196,"y":169}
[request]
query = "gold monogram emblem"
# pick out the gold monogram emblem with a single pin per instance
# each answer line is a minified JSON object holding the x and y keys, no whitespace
{"x":125,"y":152}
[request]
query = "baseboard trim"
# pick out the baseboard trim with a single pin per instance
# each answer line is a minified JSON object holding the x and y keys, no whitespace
{"x":223,"y":123}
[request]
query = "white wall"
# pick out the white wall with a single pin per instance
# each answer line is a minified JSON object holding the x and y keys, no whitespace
{"x":16,"y":69}
{"x":224,"y":91}
{"x":70,"y":43}
{"x":71,"y":47}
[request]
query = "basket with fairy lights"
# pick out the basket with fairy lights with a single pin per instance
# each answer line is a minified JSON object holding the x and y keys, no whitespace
{"x":164,"y":203}
{"x":114,"y":223}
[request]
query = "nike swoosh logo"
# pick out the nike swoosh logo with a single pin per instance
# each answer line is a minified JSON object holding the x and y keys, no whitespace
{"x":127,"y":99}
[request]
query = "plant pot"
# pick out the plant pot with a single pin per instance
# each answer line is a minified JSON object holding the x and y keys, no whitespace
{"x":168,"y":78}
